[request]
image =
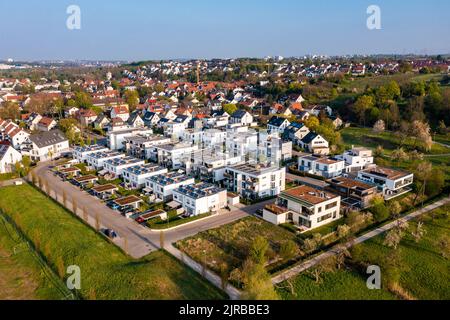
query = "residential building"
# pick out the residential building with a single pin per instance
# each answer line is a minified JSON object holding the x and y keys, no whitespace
{"x":391,"y":182}
{"x":136,"y":176}
{"x":321,"y":166}
{"x":200,"y":198}
{"x":273,"y":149}
{"x":173,"y":156}
{"x":8,"y":158}
{"x":255,"y":182}
{"x":355,"y":194}
{"x":295,"y":132}
{"x":277,"y":124}
{"x":315,"y":143}
{"x":120,"y":112}
{"x":174,"y":130}
{"x":142,"y":146}
{"x":97,"y":160}
{"x":243,"y":144}
{"x":81,"y":153}
{"x":46,"y":124}
{"x":163,"y":185}
{"x":117,"y":138}
{"x":116,"y":166}
{"x":242,"y":118}
{"x":304,"y":206}
{"x":46,"y":145}
{"x":356,"y":159}
{"x":214,"y":138}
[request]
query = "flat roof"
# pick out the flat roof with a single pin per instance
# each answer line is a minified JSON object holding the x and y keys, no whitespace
{"x":152,"y":214}
{"x":86,"y":178}
{"x":144,"y":169}
{"x":199,"y":191}
{"x":70,"y":170}
{"x":309,"y":194}
{"x":350,"y":183}
{"x":128,"y":200}
{"x":169,"y":178}
{"x":387,"y":172}
{"x":105,"y":188}
{"x":254,"y":169}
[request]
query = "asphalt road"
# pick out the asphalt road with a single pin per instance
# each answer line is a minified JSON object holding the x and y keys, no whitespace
{"x":136,"y":240}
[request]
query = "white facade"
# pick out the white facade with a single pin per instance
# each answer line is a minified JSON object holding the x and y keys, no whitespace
{"x":324,"y":167}
{"x":136,"y":176}
{"x":242,"y":144}
{"x":356,"y":159}
{"x":81,"y":153}
{"x":97,"y":160}
{"x":213,"y":138}
{"x":174,"y":130}
{"x":8,"y":158}
{"x":174,"y":156}
{"x":163,"y":185}
{"x":304,"y":206}
{"x":117,"y":139}
{"x":118,"y":165}
{"x":201,"y":198}
{"x":255,"y":181}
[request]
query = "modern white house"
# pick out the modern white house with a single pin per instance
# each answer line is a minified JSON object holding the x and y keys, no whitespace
{"x":97,"y":160}
{"x":142,"y":146}
{"x":321,"y":166}
{"x":135,"y":176}
{"x":210,"y":166}
{"x":118,"y":165}
{"x":201,"y":198}
{"x":8,"y":158}
{"x":243,"y":144}
{"x":81,"y":153}
{"x":356,"y":159}
{"x":46,"y":145}
{"x":173,"y":156}
{"x":391,"y":182}
{"x":193,"y":136}
{"x":304,"y":206}
{"x":117,"y":138}
{"x":163,"y":185}
{"x":213,"y":138}
{"x":254,"y":182}
{"x":273,"y":149}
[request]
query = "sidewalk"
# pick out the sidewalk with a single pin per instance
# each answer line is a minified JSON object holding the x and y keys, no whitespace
{"x":289,"y":273}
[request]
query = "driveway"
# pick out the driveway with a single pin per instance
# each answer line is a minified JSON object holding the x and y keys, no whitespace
{"x":136,"y":240}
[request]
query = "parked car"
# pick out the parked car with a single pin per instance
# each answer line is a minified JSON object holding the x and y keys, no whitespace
{"x":127,"y":209}
{"x":259,"y":212}
{"x":113,"y":205}
{"x":110,"y":233}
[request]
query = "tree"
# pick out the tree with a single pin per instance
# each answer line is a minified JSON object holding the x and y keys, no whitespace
{"x":230,"y":108}
{"x":312,"y":123}
{"x":343,"y":231}
{"x":395,"y":208}
{"x":360,"y":107}
{"x":422,"y":175}
{"x":309,"y":245}
{"x":393,"y":238}
{"x":379,"y":126}
{"x":399,"y":155}
{"x":258,"y":250}
{"x":257,"y":283}
{"x":422,"y":134}
{"x":379,"y":209}
{"x":10,"y":110}
{"x":342,"y":254}
{"x":326,"y":265}
{"x":419,"y":232}
{"x":132,"y":99}
{"x":444,"y":246}
{"x":288,"y":250}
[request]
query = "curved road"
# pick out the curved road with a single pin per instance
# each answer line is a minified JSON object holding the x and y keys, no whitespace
{"x":138,"y":241}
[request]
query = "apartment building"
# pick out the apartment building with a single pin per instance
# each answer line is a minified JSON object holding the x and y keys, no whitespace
{"x":81,"y":153}
{"x":117,"y":138}
{"x":200,"y":198}
{"x":321,"y":166}
{"x":173,"y":156}
{"x":142,"y":146}
{"x":213,"y":138}
{"x":135,"y":176}
{"x":273,"y":149}
{"x":254,"y":182}
{"x":118,"y":165}
{"x":243,"y":144}
{"x":163,"y":185}
{"x":391,"y":182}
{"x":97,"y":160}
{"x":304,"y":206}
{"x":355,"y":194}
{"x":356,"y":159}
{"x":210,"y":166}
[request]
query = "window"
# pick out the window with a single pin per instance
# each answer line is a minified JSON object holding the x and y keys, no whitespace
{"x":331,"y":205}
{"x":323,"y":218}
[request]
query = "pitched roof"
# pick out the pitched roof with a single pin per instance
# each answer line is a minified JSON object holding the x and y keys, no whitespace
{"x":277,"y":121}
{"x":48,"y":138}
{"x":309,"y":137}
{"x":239,"y":114}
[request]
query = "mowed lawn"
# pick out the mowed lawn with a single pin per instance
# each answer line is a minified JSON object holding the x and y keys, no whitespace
{"x":230,"y":244}
{"x":425,"y":276}
{"x":106,"y":272}
{"x":22,"y":276}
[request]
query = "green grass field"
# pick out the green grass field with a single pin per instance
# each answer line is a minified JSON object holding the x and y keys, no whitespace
{"x":426,"y":274}
{"x":23,"y":276}
{"x":106,"y":272}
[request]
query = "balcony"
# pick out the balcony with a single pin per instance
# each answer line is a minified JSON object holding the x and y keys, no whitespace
{"x":276,"y":209}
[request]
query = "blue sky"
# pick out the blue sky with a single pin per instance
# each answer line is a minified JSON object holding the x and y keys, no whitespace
{"x":154,"y":29}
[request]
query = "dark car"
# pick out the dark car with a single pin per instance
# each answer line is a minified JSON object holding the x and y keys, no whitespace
{"x":127,"y":209}
{"x":259,"y":212}
{"x":110,"y":233}
{"x":113,"y":205}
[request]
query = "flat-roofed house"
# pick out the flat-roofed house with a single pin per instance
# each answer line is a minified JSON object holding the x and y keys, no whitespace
{"x":391,"y":182}
{"x":163,"y":185}
{"x":81,"y":153}
{"x":355,"y":194}
{"x":118,"y":165}
{"x":356,"y":159}
{"x":255,"y":181}
{"x":306,"y":207}
{"x":201,"y":198}
{"x":97,"y":160}
{"x":135,"y":176}
{"x":321,"y":166}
